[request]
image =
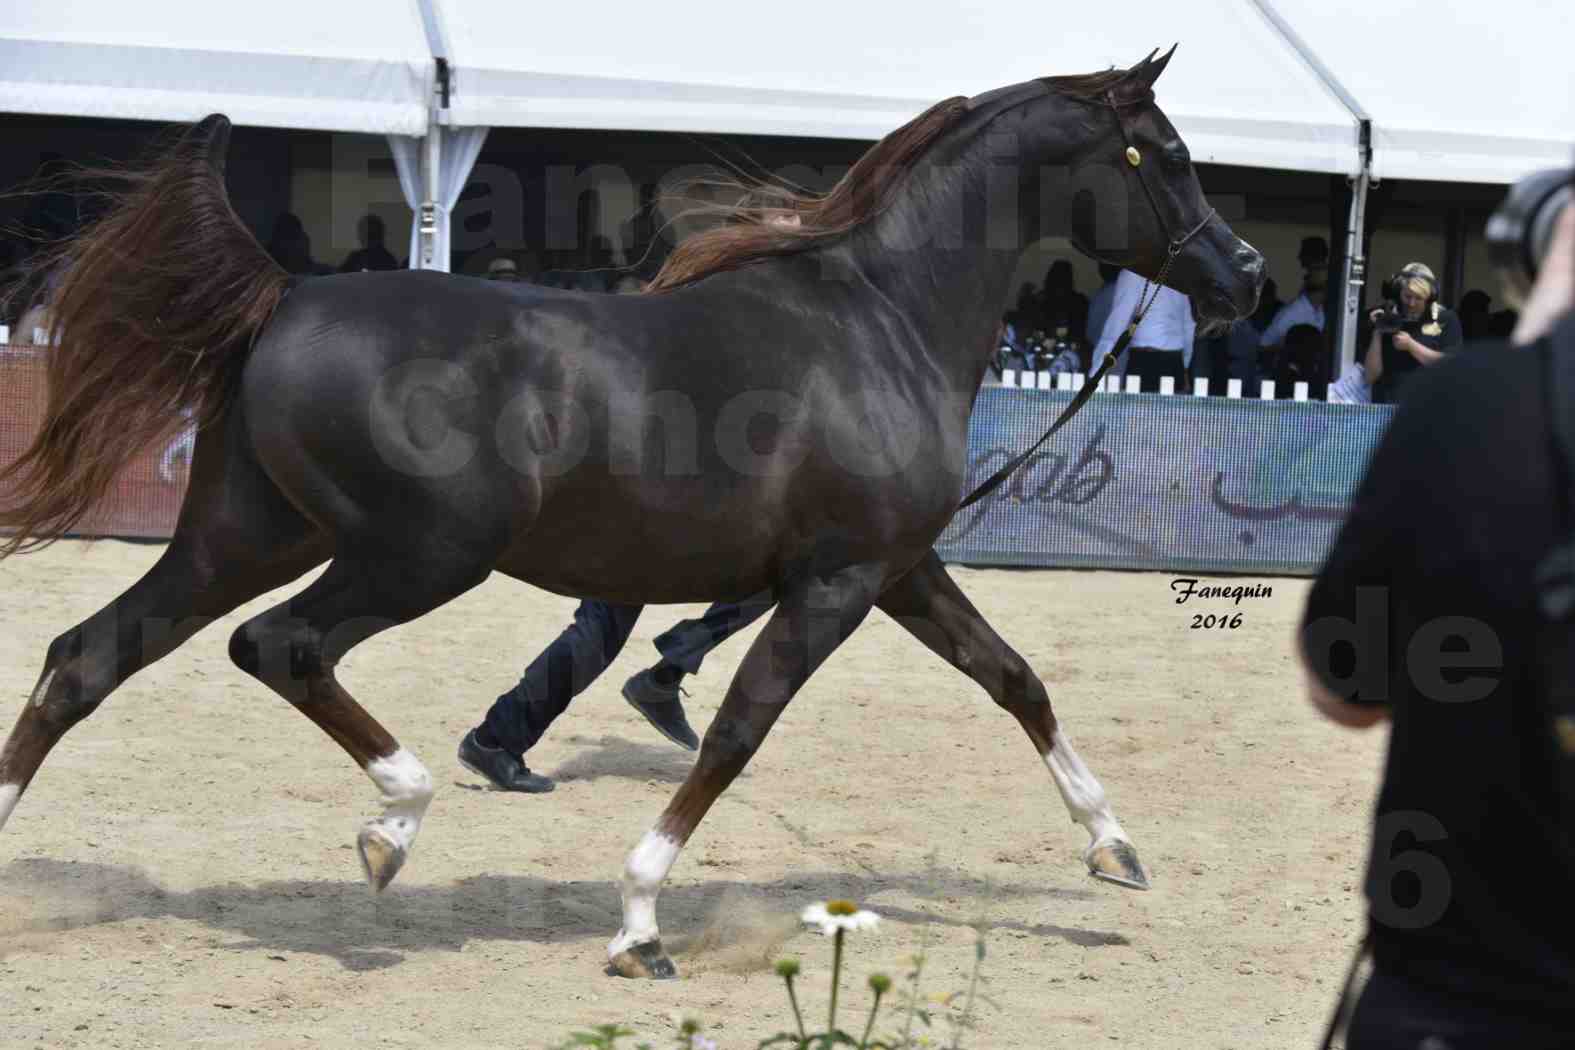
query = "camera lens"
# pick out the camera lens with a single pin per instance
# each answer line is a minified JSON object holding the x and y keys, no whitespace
{"x":1519,"y":232}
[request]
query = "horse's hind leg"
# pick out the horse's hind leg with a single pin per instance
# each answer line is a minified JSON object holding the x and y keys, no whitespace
{"x":810,"y":621}
{"x":293,"y":648}
{"x":237,"y":538}
{"x":928,"y":603}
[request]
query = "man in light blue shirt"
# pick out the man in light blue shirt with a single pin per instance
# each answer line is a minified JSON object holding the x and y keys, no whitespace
{"x":1162,"y":344}
{"x":1306,"y":308}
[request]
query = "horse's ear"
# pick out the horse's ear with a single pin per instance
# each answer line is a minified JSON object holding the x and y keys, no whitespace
{"x":1152,"y":70}
{"x":1138,"y":84}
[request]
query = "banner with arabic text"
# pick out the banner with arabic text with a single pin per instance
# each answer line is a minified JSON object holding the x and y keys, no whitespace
{"x":1141,"y":481}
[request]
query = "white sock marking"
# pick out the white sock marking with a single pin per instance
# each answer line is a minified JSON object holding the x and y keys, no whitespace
{"x":407,"y":791}
{"x":1084,"y":797}
{"x":643,"y":875}
{"x":41,"y":690}
{"x":9,"y":793}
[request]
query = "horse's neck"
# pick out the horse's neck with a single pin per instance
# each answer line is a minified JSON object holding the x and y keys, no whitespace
{"x":944,"y":252}
{"x":939,"y":273}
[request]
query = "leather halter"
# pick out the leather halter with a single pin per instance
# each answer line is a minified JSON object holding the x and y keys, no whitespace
{"x":1177,"y":244}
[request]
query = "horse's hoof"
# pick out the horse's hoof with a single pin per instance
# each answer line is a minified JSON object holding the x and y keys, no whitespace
{"x":381,"y":857}
{"x":1117,"y":862}
{"x":646,"y":960}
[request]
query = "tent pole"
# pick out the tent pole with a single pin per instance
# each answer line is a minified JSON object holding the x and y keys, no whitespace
{"x":431,"y":166}
{"x":1355,"y":275}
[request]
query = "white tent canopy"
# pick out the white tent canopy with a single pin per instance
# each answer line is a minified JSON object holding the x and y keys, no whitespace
{"x":1236,"y":91}
{"x":1457,"y":91}
{"x":349,"y":65}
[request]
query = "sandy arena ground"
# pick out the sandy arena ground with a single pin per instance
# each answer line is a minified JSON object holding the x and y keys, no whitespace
{"x":182,"y":871}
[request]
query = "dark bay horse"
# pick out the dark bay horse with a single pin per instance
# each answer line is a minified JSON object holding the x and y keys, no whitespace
{"x":785,"y":408}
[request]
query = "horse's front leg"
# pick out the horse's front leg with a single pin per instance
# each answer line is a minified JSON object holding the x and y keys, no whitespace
{"x":811,"y":619}
{"x":928,"y":603}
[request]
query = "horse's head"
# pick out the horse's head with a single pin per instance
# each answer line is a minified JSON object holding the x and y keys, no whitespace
{"x":1165,"y":225}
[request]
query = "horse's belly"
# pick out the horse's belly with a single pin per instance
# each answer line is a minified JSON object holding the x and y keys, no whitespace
{"x":622,"y":558}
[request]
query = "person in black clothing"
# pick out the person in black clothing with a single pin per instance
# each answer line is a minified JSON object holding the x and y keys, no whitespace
{"x":1061,"y":305}
{"x":1474,"y":314}
{"x":1026,"y":317}
{"x":291,"y":247}
{"x":1425,"y":613}
{"x":1429,"y":331}
{"x":372,"y":255}
{"x":1301,"y":360}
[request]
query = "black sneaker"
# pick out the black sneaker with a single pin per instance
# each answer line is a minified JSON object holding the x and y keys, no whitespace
{"x":661,"y":707}
{"x":499,"y":768}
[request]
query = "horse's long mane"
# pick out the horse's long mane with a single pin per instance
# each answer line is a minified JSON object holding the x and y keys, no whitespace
{"x":747,"y":233}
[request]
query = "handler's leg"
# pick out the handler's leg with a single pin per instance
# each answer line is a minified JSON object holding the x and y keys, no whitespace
{"x":655,"y":691}
{"x":928,"y":603}
{"x":496,"y":748}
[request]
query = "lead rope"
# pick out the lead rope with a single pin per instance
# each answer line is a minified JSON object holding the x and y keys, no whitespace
{"x":1083,"y":395}
{"x":1343,"y":1006}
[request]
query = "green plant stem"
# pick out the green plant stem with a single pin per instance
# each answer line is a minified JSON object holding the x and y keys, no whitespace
{"x":836,"y":979}
{"x":973,"y":984}
{"x":793,"y":998}
{"x":913,"y":1001}
{"x":870,"y":1027}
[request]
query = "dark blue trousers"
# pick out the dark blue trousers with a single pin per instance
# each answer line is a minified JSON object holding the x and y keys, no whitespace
{"x":584,"y":650}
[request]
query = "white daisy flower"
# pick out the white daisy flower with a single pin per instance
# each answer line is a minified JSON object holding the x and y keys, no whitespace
{"x":832,"y":916}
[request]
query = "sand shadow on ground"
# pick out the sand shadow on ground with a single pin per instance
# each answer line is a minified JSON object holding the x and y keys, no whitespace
{"x":618,"y":756}
{"x":342,"y":920}
{"x":609,"y":756}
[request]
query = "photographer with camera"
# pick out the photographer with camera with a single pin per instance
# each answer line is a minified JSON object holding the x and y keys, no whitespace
{"x":1447,"y":607}
{"x":1412,"y":329}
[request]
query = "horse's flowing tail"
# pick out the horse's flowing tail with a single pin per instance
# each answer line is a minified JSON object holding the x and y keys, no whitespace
{"x":152,"y":309}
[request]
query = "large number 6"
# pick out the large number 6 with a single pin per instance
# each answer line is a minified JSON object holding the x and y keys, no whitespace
{"x":1435,"y":884}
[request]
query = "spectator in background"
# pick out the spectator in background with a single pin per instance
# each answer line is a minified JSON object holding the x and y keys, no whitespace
{"x":1427,"y":332}
{"x":1162,"y":344}
{"x":372,"y":255}
{"x":1230,"y":355}
{"x":1060,"y":303}
{"x":1301,"y":359}
{"x":1305,"y":309}
{"x":1501,"y":324}
{"x":291,"y":248}
{"x":1474,"y":314}
{"x":1026,"y":316}
{"x":1314,"y":256}
{"x":1099,"y":305}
